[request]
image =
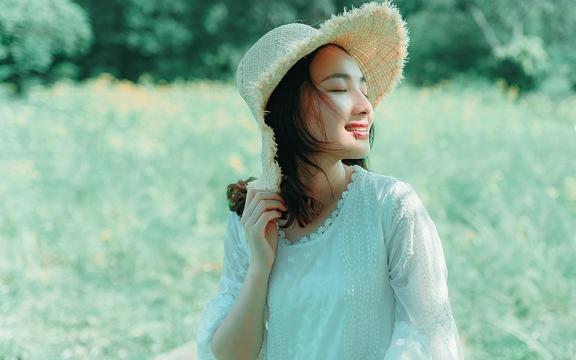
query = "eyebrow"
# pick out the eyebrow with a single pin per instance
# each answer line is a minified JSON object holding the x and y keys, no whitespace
{"x":342,"y":76}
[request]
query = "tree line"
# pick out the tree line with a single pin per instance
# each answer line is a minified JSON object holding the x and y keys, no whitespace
{"x":523,"y":42}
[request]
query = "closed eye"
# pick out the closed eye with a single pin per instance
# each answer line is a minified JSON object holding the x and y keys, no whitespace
{"x":365,"y":95}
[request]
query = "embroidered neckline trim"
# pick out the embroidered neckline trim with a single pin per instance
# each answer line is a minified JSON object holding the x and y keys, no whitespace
{"x":328,"y":221}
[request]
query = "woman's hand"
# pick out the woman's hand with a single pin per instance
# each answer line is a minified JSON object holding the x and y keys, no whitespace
{"x":262,"y":210}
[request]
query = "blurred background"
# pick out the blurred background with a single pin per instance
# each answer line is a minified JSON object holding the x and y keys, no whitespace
{"x":120,"y":128}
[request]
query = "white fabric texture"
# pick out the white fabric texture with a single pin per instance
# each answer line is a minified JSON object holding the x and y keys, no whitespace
{"x":234,"y":267}
{"x":371,"y":283}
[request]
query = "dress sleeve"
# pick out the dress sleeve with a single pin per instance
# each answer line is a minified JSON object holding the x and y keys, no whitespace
{"x":234,"y":267}
{"x":424,"y":327}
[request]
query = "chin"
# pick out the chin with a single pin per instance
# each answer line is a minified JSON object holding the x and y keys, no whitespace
{"x":358,"y":154}
{"x":355,"y":149}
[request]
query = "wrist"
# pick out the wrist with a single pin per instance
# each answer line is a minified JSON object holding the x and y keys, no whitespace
{"x":259,"y":270}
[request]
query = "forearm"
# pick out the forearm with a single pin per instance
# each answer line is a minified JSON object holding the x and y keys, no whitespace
{"x":240,"y":335}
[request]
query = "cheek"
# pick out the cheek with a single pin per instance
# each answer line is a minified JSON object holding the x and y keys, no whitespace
{"x":333,"y":118}
{"x":341,"y":105}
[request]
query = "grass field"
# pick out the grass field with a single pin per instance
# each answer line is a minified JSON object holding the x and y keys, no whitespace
{"x":112,"y":210}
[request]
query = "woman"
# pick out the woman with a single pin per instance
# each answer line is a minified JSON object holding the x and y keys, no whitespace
{"x":324,"y":259}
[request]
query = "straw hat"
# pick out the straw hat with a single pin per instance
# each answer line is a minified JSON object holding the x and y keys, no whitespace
{"x":374,"y":34}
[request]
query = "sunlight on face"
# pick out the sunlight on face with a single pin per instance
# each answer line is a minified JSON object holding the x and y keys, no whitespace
{"x":338,"y":76}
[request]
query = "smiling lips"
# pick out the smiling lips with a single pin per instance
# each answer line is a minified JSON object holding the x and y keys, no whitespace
{"x":359,"y":132}
{"x":358,"y":129}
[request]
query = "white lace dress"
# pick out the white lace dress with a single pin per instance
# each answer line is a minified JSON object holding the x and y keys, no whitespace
{"x":370,"y":283}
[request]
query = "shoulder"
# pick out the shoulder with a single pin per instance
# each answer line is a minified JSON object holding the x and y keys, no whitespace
{"x":396,"y":196}
{"x":387,"y":189}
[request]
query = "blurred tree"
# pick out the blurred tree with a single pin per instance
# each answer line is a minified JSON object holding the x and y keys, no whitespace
{"x":184,"y":39}
{"x":443,"y":43}
{"x":557,"y":31}
{"x":520,"y":41}
{"x":133,"y":37}
{"x":513,"y":30}
{"x":34,"y":32}
{"x":222,"y":46}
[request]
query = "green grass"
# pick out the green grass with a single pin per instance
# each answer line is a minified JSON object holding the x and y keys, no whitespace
{"x":113,"y":208}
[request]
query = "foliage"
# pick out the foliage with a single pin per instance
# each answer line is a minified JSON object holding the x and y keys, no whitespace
{"x":33,"y":33}
{"x":433,"y":54}
{"x":182,"y":39}
{"x":137,"y":36}
{"x":523,"y":62}
{"x":513,"y":40}
{"x":527,"y":43}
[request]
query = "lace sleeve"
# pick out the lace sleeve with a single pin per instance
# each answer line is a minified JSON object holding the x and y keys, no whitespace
{"x":234,"y":267}
{"x":424,"y":327}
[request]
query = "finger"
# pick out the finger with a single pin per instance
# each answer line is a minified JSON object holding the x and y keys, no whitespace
{"x":269,"y":195}
{"x":271,"y":205}
{"x":250,"y":194}
{"x":275,"y":204}
{"x":259,"y":196}
{"x":250,"y":205}
{"x":267,"y":217}
{"x":265,"y":206}
{"x":255,"y":214}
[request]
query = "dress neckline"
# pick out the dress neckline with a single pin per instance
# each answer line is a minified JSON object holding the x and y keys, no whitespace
{"x":328,"y":221}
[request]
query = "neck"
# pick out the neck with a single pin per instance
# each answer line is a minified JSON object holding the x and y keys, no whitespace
{"x":338,"y":174}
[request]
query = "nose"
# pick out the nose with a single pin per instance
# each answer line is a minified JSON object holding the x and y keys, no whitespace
{"x":362,"y":106}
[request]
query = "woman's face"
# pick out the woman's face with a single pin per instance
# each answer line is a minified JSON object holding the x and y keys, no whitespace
{"x":337,"y":75}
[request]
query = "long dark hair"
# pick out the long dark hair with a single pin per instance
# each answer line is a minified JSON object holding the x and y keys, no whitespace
{"x":295,"y":96}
